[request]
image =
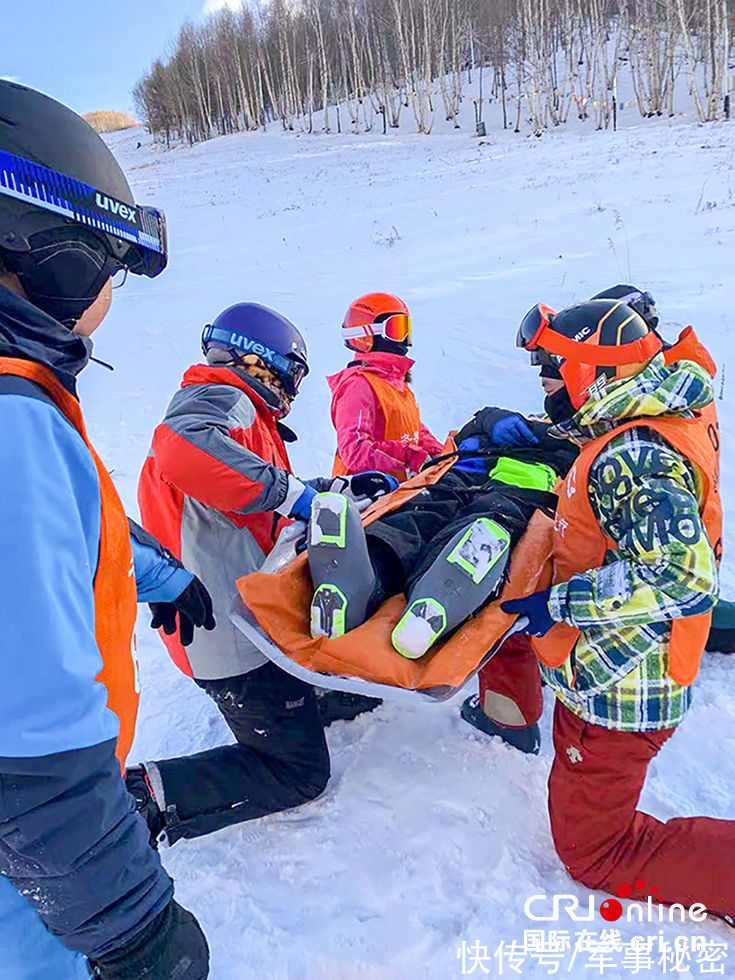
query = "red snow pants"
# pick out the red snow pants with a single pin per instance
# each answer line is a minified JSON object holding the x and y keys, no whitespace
{"x":510,"y":684}
{"x":604,"y":841}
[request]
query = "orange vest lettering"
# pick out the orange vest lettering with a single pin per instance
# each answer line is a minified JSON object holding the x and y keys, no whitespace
{"x":579,"y":543}
{"x":115,"y":595}
{"x":401,"y":415}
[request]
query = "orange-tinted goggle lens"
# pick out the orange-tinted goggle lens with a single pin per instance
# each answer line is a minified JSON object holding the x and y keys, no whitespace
{"x":397,"y":327}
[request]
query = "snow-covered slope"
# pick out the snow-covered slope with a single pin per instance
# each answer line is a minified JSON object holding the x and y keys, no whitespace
{"x":428,"y":834}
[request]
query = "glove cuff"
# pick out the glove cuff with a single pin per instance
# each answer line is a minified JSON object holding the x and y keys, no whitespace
{"x":294,"y":490}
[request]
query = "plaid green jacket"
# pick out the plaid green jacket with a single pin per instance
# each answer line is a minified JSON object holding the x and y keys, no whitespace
{"x":658,"y":573}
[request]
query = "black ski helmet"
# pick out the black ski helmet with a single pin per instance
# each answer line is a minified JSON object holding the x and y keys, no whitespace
{"x":588,"y":342}
{"x":637,"y":299}
{"x":68,"y":219}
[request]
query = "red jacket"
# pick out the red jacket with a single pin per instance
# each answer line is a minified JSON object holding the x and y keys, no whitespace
{"x":216,"y":472}
{"x":366,"y":440}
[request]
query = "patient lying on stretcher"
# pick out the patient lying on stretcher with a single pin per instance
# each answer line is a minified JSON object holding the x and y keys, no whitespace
{"x":447,"y":548}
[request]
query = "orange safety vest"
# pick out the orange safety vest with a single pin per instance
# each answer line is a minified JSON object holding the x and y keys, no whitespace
{"x":689,"y":348}
{"x":115,"y":595}
{"x":401,"y":418}
{"x":579,"y":543}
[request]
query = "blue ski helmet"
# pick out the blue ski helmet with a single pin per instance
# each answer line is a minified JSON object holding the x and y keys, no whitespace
{"x":249,"y":328}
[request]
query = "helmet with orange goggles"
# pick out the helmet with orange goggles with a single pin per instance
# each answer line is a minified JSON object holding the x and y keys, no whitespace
{"x":587,"y":342}
{"x":376,"y":315}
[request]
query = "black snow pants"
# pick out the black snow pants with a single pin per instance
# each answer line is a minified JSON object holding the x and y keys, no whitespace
{"x":404,"y":543}
{"x":280,"y":758}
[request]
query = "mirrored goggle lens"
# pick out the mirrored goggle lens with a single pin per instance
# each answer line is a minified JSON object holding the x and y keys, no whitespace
{"x":136,"y":233}
{"x":643,"y":303}
{"x":298,"y":373}
{"x":531,"y":326}
{"x":397,"y":327}
{"x":138,"y":258}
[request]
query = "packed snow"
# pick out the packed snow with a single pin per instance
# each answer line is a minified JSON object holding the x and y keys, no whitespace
{"x":429,"y":834}
{"x":418,"y":628}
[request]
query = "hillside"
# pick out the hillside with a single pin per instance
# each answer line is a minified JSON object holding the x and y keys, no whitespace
{"x":428,"y":835}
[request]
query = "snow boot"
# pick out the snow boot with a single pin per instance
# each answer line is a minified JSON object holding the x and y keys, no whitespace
{"x":525,"y":739}
{"x":139,"y":786}
{"x":465,"y":574}
{"x":341,"y":572}
{"x":342,"y":705}
{"x":721,"y":637}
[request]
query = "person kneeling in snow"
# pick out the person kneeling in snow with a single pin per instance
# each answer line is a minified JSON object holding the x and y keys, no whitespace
{"x":216,"y":489}
{"x":622,"y":630}
{"x":687,"y":346}
{"x":509,"y":702}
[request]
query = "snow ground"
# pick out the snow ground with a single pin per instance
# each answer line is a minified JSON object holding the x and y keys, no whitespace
{"x":428,"y":834}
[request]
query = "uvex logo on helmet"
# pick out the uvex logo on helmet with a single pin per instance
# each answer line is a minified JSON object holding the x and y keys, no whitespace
{"x":253,"y":347}
{"x":117,"y":208}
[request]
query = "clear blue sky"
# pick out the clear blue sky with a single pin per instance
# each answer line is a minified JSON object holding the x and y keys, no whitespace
{"x":88,"y":53}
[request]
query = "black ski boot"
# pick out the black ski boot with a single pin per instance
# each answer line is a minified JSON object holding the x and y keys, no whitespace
{"x":139,"y":786}
{"x":721,"y":637}
{"x":526,"y":739}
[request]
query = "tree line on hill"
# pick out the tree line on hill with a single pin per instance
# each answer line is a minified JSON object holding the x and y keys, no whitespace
{"x":360,"y":65}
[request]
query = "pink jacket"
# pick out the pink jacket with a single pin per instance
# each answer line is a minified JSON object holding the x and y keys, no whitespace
{"x":359,"y":421}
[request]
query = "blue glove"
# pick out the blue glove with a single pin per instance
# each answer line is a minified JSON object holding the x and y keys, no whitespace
{"x":301,"y":509}
{"x":500,"y":426}
{"x":536,"y":607}
{"x":512,"y":432}
{"x":467,"y":463}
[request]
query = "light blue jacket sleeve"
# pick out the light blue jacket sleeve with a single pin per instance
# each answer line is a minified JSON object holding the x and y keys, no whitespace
{"x":157,"y":579}
{"x":29,"y":950}
{"x":50,"y":700}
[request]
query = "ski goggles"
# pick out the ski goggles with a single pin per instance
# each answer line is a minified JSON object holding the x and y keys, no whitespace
{"x":533,"y":325}
{"x":396,"y":327}
{"x":135,"y":233}
{"x":639,"y":300}
{"x":236,"y":346}
{"x":536,"y":334}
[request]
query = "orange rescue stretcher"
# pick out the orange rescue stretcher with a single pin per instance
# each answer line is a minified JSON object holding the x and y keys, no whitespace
{"x":273,"y":612}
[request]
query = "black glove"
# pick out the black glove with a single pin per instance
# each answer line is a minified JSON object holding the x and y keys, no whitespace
{"x":497,"y":427}
{"x":369,"y":483}
{"x":194,"y":606}
{"x":171,"y":947}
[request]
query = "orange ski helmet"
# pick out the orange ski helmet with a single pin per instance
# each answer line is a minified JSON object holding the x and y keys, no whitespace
{"x":588,"y":343}
{"x":376,"y":315}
